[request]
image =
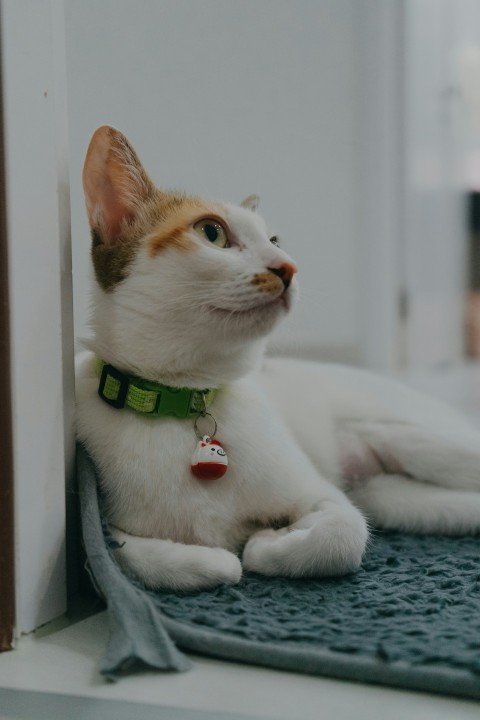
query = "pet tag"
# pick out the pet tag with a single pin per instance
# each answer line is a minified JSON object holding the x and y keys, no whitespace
{"x":209,"y":461}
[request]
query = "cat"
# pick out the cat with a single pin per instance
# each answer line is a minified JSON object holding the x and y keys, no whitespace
{"x":186,"y":293}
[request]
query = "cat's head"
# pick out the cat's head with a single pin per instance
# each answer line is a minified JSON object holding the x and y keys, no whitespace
{"x":186,"y":288}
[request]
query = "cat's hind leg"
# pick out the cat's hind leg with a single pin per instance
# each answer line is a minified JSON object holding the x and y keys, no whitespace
{"x":395,"y":502}
{"x":406,"y":477}
{"x":449,"y":459}
{"x":171,"y":565}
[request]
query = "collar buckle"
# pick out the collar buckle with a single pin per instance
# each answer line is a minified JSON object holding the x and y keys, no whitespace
{"x":113,"y":387}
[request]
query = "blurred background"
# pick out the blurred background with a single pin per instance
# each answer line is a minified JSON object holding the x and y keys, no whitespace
{"x":356,"y":121}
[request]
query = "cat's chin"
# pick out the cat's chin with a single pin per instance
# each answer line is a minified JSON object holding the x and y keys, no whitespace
{"x":257,"y":315}
{"x":253,"y":322}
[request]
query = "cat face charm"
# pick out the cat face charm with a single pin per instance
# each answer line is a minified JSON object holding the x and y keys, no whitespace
{"x":209,"y":461}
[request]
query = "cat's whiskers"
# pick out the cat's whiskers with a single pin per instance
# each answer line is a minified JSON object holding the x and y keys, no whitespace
{"x":201,"y":298}
{"x":205,"y":297}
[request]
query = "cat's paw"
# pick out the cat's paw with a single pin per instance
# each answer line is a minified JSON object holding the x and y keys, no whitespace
{"x":322,"y":544}
{"x":215,"y":566}
{"x":166,"y":564}
{"x":264,"y":551}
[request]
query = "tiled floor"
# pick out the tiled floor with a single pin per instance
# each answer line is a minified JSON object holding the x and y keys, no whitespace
{"x":55,"y":674}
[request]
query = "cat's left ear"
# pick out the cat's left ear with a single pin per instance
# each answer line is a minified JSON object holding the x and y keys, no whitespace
{"x":251,"y":202}
{"x":116,"y":185}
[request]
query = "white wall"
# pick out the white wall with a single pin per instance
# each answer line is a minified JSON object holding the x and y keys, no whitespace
{"x":434,"y":248}
{"x":379,"y":148}
{"x":226,"y":98}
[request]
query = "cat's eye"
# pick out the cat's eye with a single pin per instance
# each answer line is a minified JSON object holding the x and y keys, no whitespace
{"x":212,"y":231}
{"x":274,"y":240}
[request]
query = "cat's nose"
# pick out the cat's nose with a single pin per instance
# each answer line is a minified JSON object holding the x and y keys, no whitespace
{"x":285,"y":272}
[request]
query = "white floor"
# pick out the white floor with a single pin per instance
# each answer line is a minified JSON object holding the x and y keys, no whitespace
{"x":54,"y":673}
{"x":66,"y":663}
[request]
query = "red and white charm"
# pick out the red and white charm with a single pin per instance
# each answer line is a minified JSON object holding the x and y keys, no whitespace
{"x":209,"y":461}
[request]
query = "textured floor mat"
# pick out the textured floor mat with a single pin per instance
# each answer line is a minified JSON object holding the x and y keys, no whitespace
{"x":409,"y":618}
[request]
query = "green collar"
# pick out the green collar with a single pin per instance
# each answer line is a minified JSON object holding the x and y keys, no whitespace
{"x":149,"y":398}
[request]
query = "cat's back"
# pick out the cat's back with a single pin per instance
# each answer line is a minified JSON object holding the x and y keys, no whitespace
{"x":307,"y":389}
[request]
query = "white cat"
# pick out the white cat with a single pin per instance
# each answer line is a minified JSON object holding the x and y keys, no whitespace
{"x":186,"y":292}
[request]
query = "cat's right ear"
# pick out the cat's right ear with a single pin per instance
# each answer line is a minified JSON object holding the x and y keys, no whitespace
{"x":115,"y":184}
{"x":251,"y":202}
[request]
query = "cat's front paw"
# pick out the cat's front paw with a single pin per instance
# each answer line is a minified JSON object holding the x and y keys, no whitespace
{"x":321,"y":544}
{"x":163,"y":564}
{"x":203,"y":567}
{"x":209,"y":567}
{"x":256,"y":555}
{"x":222,"y":566}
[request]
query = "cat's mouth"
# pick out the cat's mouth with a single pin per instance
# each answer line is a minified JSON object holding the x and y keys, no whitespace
{"x":274,"y":305}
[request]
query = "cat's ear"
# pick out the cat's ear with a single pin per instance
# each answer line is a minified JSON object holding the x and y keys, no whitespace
{"x":251,"y":202}
{"x":116,"y":185}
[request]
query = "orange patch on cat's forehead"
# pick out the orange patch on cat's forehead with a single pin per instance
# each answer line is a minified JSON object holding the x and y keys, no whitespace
{"x":180,"y":214}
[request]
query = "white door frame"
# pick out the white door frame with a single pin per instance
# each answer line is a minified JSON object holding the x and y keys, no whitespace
{"x":38,"y":229}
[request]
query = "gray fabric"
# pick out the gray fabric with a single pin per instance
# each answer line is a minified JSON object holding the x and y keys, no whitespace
{"x":137,"y":631}
{"x":409,"y":618}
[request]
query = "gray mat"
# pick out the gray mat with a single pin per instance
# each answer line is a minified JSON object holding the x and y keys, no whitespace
{"x":409,"y":618}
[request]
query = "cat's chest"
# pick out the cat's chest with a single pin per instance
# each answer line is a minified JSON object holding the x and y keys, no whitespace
{"x":165,"y":448}
{"x":147,"y":475}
